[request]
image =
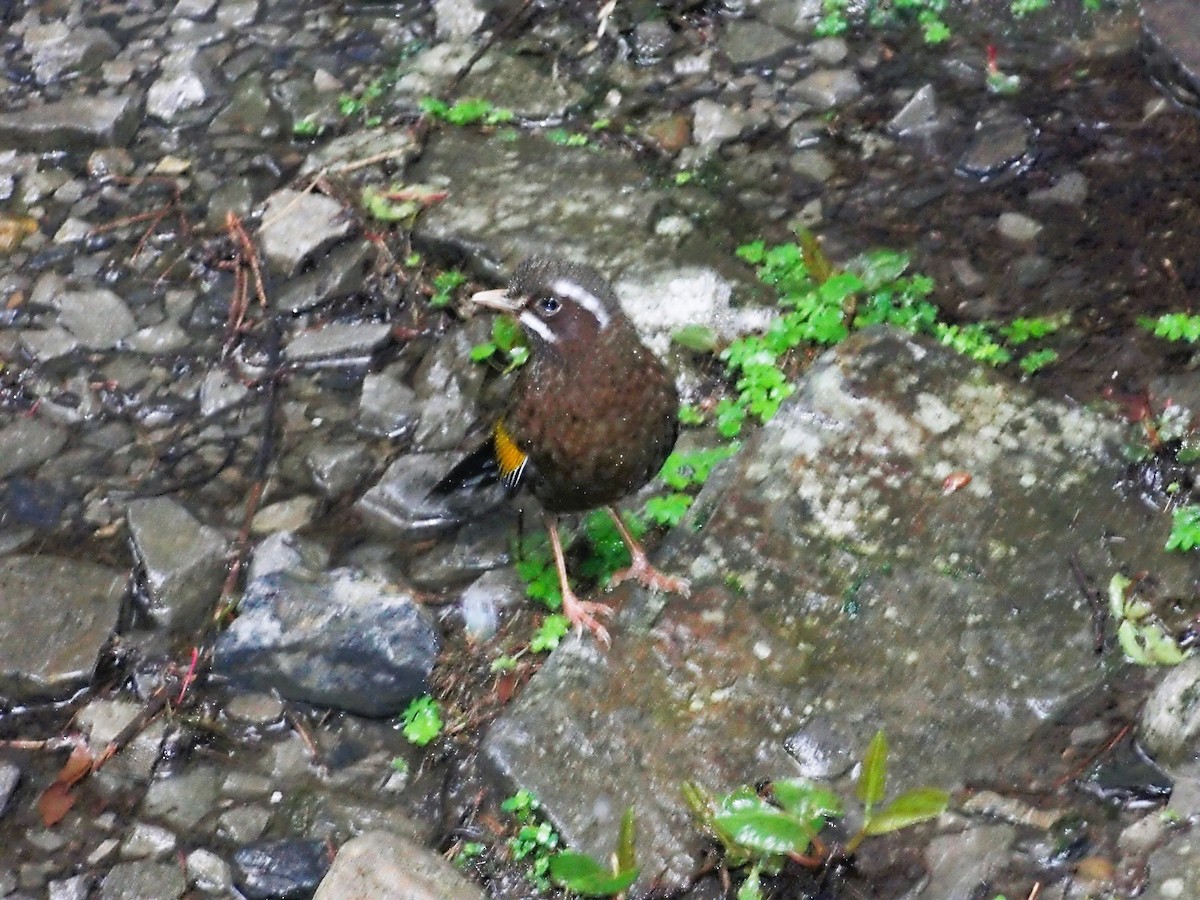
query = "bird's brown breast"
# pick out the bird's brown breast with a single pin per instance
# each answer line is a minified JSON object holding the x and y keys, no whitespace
{"x":597,"y":423}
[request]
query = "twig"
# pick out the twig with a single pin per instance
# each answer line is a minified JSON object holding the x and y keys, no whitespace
{"x":1095,"y":601}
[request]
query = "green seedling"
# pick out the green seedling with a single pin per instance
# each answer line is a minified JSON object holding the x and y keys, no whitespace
{"x":399,"y":202}
{"x":765,"y":832}
{"x":1173,"y":326}
{"x":552,"y":630}
{"x":444,"y":286}
{"x":421,"y":720}
{"x":582,"y":874}
{"x":535,"y":840}
{"x":1141,"y":635}
{"x":565,"y":138}
{"x":508,"y":343}
{"x":473,"y":111}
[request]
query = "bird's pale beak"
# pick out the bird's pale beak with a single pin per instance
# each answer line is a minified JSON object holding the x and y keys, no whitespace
{"x":497,"y":299}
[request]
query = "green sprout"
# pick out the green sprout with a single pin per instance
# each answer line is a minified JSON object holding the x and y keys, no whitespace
{"x":474,"y":111}
{"x":535,"y":840}
{"x":1173,"y":326}
{"x":508,"y":342}
{"x":582,"y":874}
{"x":1185,"y":528}
{"x":444,"y":286}
{"x":422,"y":720}
{"x":1142,"y":637}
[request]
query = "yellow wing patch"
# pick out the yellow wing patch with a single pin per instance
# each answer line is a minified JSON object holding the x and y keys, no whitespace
{"x":509,"y":456}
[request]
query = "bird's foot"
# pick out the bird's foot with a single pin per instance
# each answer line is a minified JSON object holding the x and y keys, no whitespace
{"x":582,"y":614}
{"x":649,"y":577}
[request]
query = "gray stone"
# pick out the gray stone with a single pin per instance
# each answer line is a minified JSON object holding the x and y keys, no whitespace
{"x":829,"y":88}
{"x":830,"y":51}
{"x":282,"y":868}
{"x":10,"y":777}
{"x":98,"y":318}
{"x":77,"y":122}
{"x":918,"y":114}
{"x":143,"y":880}
{"x":749,"y":42}
{"x":338,"y":344}
{"x":299,"y":225}
{"x":660,"y":301}
{"x":27,"y":442}
{"x":812,"y":164}
{"x":457,"y":19}
{"x":485,"y":598}
{"x":1071,"y":189}
{"x":386,"y":866}
{"x":794,"y":15}
{"x":183,"y":799}
{"x":653,"y":40}
{"x":243,"y":824}
{"x":714,"y":123}
{"x":395,"y":146}
{"x":516,"y":82}
{"x":339,"y":274}
{"x":165,"y":337}
{"x":387,"y":407}
{"x":55,"y":617}
{"x":1174,"y":49}
{"x":186,"y":82}
{"x":975,"y":634}
{"x":401,"y":505}
{"x":193,"y":9}
{"x":341,"y":639}
{"x":103,"y":720}
{"x":1170,"y":726}
{"x":478,"y":547}
{"x":238,"y":14}
{"x":1000,"y":144}
{"x":146,"y":840}
{"x":338,"y":469}
{"x":76,"y":888}
{"x":220,"y":391}
{"x":1018,"y":227}
{"x":183,"y":561}
{"x":255,"y":709}
{"x":446,"y":377}
{"x":58,"y":49}
{"x":288,"y":515}
{"x":250,"y":110}
{"x":209,"y":873}
{"x":961,"y":864}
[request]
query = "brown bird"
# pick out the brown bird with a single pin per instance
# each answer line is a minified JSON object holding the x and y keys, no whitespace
{"x":591,"y":419}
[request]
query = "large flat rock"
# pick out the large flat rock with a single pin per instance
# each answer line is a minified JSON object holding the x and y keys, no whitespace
{"x":838,"y":588}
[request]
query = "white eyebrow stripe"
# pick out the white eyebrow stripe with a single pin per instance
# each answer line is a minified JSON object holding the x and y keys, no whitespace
{"x":533,"y":323}
{"x":584,"y":298}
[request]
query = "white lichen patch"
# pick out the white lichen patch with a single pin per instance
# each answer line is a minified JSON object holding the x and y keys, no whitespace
{"x":935,"y":414}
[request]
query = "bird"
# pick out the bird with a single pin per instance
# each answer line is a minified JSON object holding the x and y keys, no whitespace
{"x":591,"y":418}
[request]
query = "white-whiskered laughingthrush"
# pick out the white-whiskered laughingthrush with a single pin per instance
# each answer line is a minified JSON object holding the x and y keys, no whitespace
{"x":591,"y":418}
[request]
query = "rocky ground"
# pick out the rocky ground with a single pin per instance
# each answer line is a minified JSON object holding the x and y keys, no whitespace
{"x":228,"y":378}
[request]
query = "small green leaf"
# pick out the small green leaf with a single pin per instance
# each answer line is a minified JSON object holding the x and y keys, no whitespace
{"x":580,"y":873}
{"x":480,"y":352}
{"x":553,"y":629}
{"x":766,"y":829}
{"x":750,"y":888}
{"x":872,"y":780}
{"x":1163,"y":649}
{"x":422,"y":720}
{"x":1118,"y":590}
{"x":803,"y":799}
{"x":911,"y":807}
{"x":1127,"y":637}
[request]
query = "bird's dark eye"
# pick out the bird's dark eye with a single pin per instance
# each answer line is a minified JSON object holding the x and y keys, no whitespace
{"x":548,"y":304}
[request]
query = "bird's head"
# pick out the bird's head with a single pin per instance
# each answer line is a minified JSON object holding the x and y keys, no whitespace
{"x":558,"y":303}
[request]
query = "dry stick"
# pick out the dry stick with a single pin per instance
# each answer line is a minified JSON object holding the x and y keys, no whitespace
{"x":483,"y":48}
{"x":1090,"y":760}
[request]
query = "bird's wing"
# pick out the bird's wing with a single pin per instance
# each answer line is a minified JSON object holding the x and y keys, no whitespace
{"x":497,"y":459}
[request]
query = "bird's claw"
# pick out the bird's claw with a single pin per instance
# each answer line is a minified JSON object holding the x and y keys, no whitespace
{"x":649,"y":577}
{"x":582,"y":614}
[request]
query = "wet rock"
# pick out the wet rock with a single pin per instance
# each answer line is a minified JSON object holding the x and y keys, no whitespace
{"x":448,"y":383}
{"x":194,"y":9}
{"x":338,"y":344}
{"x":1000,"y":144}
{"x":919,"y":114}
{"x":748,"y":42}
{"x":182,"y":800}
{"x":341,"y":639}
{"x":812,"y":164}
{"x":292,"y":514}
{"x":220,"y":391}
{"x":77,"y":888}
{"x":387,"y":407}
{"x":975,"y":634}
{"x":98,"y":318}
{"x":653,"y":41}
{"x":960,"y":864}
{"x":10,"y":777}
{"x":478,"y":547}
{"x":485,"y":598}
{"x":388,"y":866}
{"x":183,"y":561}
{"x":280,"y":869}
{"x":55,"y":617}
{"x":392,"y":145}
{"x":714,"y":123}
{"x":1070,"y":189}
{"x":27,"y":442}
{"x":58,"y":49}
{"x":187,"y":81}
{"x":338,"y":469}
{"x":457,"y":19}
{"x":794,"y":15}
{"x":146,"y":840}
{"x":830,"y":51}
{"x":663,"y":301}
{"x":829,"y":88}
{"x":72,"y":123}
{"x":1018,"y":227}
{"x":238,"y":13}
{"x":1170,"y":723}
{"x":1173,"y":47}
{"x":339,"y":274}
{"x":298,"y":225}
{"x":103,"y":720}
{"x":234,"y":196}
{"x":143,"y":880}
{"x":517,"y":83}
{"x":401,"y":503}
{"x":250,"y":110}
{"x":208,"y":872}
{"x":243,"y":824}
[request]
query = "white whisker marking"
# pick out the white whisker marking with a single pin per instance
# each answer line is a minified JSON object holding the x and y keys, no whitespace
{"x":536,"y":325}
